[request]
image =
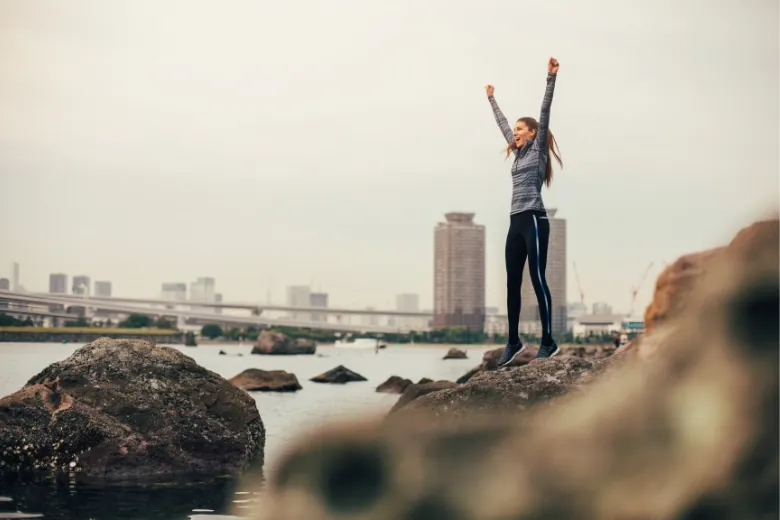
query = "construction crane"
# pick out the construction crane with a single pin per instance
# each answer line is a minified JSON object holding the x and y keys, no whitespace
{"x":635,"y":289}
{"x":579,"y":284}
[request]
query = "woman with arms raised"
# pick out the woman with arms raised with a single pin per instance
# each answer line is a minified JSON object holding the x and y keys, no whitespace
{"x":529,"y":229}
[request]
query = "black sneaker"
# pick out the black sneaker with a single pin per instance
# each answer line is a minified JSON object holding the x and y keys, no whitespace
{"x":547,"y":351}
{"x":509,"y":353}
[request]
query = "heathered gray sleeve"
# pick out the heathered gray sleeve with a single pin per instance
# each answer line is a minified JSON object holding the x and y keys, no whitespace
{"x":503,"y":124}
{"x":544,"y":119}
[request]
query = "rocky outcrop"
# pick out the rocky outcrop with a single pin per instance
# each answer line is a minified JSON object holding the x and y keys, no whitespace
{"x":689,"y":431}
{"x":413,"y":392}
{"x":394,"y":385}
{"x":490,"y":362}
{"x":338,"y":375}
{"x":455,"y":353}
{"x":124,"y":409}
{"x":278,"y":344}
{"x":506,"y":390}
{"x":256,"y":380}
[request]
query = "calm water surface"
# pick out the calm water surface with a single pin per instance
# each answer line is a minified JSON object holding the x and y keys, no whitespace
{"x":285,"y":415}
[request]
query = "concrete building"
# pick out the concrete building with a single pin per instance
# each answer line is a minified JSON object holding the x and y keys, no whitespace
{"x":217,"y":299}
{"x":575,"y":311}
{"x":202,"y":290}
{"x":174,"y":291}
{"x":58,"y":283}
{"x":81,"y":284}
{"x":319,"y":299}
{"x":407,"y":302}
{"x":103,"y":289}
{"x":299,"y":296}
{"x":5,"y":284}
{"x":459,"y":272}
{"x":556,"y":281}
{"x":15,"y":285}
{"x":602,"y":308}
{"x":598,"y":324}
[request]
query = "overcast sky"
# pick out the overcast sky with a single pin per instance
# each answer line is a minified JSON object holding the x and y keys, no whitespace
{"x":319,"y":141}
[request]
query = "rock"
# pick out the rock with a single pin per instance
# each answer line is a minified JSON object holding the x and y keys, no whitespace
{"x":189,"y":340}
{"x":277,"y":343}
{"x":124,"y":409}
{"x":413,"y":392}
{"x":338,"y":375}
{"x":222,"y":353}
{"x":688,"y":432}
{"x":676,"y":283}
{"x":394,"y":385}
{"x":490,"y":361}
{"x":256,"y":380}
{"x":455,"y":353}
{"x":424,"y":380}
{"x":508,"y":389}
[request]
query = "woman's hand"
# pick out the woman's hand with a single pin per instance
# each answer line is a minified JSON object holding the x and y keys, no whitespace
{"x":489,"y":89}
{"x":552,"y":66}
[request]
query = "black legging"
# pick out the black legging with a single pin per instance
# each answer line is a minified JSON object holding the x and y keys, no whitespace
{"x":528,"y":237}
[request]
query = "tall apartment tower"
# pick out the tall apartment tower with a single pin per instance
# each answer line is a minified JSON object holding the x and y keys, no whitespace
{"x":81,"y":284}
{"x":58,"y":283}
{"x":459,"y":273}
{"x":556,"y":281}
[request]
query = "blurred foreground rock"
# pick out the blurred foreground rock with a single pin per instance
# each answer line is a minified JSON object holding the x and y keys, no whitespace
{"x":455,"y":353}
{"x":680,"y":425}
{"x":124,"y":409}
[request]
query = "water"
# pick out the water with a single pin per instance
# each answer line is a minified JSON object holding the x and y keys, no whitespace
{"x":285,"y":415}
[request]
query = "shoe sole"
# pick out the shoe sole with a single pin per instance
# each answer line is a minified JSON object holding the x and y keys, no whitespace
{"x":522,"y":349}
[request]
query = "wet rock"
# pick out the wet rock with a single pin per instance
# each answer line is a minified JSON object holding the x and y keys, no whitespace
{"x":394,"y":385}
{"x":256,"y":380}
{"x":277,"y":343}
{"x":338,"y":375}
{"x":413,"y":392}
{"x":124,"y":409}
{"x":223,"y":353}
{"x":455,"y":353}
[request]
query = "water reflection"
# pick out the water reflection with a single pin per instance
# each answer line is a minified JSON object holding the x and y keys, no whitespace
{"x":63,"y":500}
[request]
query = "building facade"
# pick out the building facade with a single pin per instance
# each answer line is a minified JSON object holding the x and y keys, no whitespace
{"x":459,"y":272}
{"x":58,"y":283}
{"x":202,"y":290}
{"x":103,"y":289}
{"x":556,"y":272}
{"x":299,"y":296}
{"x":81,"y":284}
{"x":5,"y":284}
{"x":319,"y":299}
{"x":16,"y":284}
{"x":174,"y":291}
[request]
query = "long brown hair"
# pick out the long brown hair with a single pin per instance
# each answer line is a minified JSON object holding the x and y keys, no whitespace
{"x":552,"y":147}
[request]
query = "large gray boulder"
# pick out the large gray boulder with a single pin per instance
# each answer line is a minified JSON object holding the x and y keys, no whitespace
{"x":125,"y":409}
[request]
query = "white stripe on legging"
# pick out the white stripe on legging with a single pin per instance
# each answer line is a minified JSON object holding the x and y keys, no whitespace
{"x":541,"y":280}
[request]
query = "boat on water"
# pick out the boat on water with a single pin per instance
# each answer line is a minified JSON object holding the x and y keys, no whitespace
{"x":358,"y":343}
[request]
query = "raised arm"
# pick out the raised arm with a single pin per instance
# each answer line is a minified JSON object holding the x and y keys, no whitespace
{"x":503,"y":124}
{"x":544,"y":118}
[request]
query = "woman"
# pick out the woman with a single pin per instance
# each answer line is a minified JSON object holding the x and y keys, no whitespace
{"x":529,"y":229}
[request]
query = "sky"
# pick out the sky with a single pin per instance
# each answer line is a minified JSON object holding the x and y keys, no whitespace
{"x":319,"y":142}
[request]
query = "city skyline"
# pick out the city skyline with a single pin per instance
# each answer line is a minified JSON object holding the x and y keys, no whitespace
{"x":108,"y":167}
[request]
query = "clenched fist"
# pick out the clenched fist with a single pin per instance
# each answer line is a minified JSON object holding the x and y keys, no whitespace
{"x":552,"y":66}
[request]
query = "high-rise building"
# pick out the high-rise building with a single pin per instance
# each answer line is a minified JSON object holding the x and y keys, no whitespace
{"x":81,"y":284}
{"x":299,"y":296}
{"x":459,"y":272}
{"x":103,"y":289}
{"x":58,"y":283}
{"x":319,"y":299}
{"x":202,"y":290}
{"x":556,"y":281}
{"x":174,"y":292}
{"x":218,"y":299}
{"x":15,"y":277}
{"x":5,"y":284}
